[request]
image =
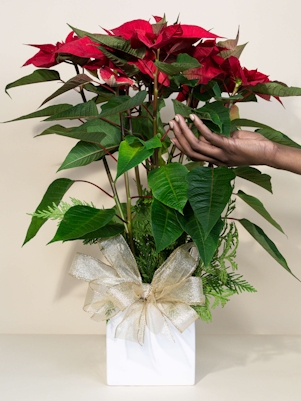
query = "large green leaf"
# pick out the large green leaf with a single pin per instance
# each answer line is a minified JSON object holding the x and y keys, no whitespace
{"x":114,"y":42}
{"x":54,"y":194}
{"x":206,"y":244}
{"x":129,"y":69}
{"x":80,"y":111}
{"x":209,"y":191}
{"x":184,"y":62}
{"x":244,"y":122}
{"x":219,"y":114}
{"x":109,"y":230}
{"x":75,"y":133}
{"x":278,"y":137}
{"x":253,"y":175}
{"x":81,"y":220}
{"x":275,"y":89}
{"x":48,"y":111}
{"x":128,"y":104}
{"x":165,"y":225}
{"x":41,"y":75}
{"x":259,"y":235}
{"x":133,"y":151}
{"x":78,"y":80}
{"x":257,"y":205}
{"x":169,"y":186}
{"x":81,"y":154}
{"x":185,"y":111}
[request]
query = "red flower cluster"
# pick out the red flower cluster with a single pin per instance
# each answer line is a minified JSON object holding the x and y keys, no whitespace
{"x":161,"y":43}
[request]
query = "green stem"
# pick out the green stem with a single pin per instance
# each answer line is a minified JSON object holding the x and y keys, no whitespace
{"x":115,"y":197}
{"x":138,"y":181}
{"x":81,"y":89}
{"x":155,"y":110}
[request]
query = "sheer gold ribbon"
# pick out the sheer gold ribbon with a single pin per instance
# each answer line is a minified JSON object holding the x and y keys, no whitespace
{"x":118,"y":287}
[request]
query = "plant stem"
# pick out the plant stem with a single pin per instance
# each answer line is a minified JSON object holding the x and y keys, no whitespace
{"x":92,"y":183}
{"x":116,"y":197}
{"x":128,"y":196}
{"x":138,"y":181}
{"x":81,"y":91}
{"x":155,"y":110}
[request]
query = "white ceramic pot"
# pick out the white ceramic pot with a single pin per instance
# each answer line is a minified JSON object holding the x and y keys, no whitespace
{"x":158,"y":361}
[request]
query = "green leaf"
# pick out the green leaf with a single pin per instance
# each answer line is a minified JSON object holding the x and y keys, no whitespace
{"x":81,"y":220}
{"x":133,"y":151}
{"x":253,"y":175}
{"x":54,"y":194}
{"x":129,"y":69}
{"x":244,"y":122}
{"x":75,"y":133}
{"x":209,"y":191}
{"x":206,"y":245}
{"x":82,"y":110}
{"x":258,"y":234}
{"x":81,"y":154}
{"x":275,"y":89}
{"x":278,"y":137}
{"x":109,"y":230}
{"x":128,"y":104}
{"x":169,"y":185}
{"x":80,"y":79}
{"x":165,"y":225}
{"x":41,"y":75}
{"x":185,"y":111}
{"x":114,"y":42}
{"x":219,"y":114}
{"x":255,"y":204}
{"x":184,"y":62}
{"x":48,"y":111}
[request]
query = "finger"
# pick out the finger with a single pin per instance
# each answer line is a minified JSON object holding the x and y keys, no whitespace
{"x":196,"y":156}
{"x":211,"y":137}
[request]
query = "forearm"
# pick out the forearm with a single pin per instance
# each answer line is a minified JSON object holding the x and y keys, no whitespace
{"x":286,"y":158}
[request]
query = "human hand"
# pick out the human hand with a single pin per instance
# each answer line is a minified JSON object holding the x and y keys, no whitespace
{"x":243,"y":148}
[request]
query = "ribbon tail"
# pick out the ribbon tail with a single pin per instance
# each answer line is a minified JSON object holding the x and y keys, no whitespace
{"x":132,"y":326}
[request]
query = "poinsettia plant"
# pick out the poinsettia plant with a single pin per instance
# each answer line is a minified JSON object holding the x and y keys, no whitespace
{"x":122,"y":80}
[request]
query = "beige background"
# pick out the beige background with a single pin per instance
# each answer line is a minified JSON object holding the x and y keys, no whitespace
{"x":36,"y":293}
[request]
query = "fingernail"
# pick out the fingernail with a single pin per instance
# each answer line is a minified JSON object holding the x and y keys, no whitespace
{"x":177,"y":119}
{"x":191,"y":117}
{"x":171,"y":124}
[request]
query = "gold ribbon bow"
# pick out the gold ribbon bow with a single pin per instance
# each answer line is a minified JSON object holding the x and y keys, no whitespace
{"x":118,"y":287}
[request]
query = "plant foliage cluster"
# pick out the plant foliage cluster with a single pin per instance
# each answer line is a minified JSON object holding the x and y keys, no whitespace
{"x":123,"y":79}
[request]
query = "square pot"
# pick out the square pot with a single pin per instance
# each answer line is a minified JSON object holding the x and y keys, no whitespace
{"x":158,"y":361}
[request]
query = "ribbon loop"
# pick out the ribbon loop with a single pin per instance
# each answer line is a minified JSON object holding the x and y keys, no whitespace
{"x":118,"y":287}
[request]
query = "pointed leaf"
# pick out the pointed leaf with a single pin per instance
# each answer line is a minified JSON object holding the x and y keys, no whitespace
{"x":81,"y":154}
{"x":244,"y":122}
{"x":129,"y":69}
{"x":80,"y":220}
{"x":41,"y":75}
{"x":109,"y":230}
{"x":184,"y":62}
{"x":275,"y":89}
{"x":209,"y":191}
{"x":54,"y":194}
{"x":259,"y":235}
{"x":80,"y":79}
{"x":169,"y":185}
{"x":278,"y":137}
{"x":220,"y":116}
{"x":255,"y":204}
{"x":48,"y":111}
{"x":206,"y":245}
{"x":82,"y":110}
{"x":253,"y":175}
{"x":165,"y":226}
{"x":133,"y":151}
{"x":128,"y":104}
{"x":114,"y":42}
{"x":75,"y":133}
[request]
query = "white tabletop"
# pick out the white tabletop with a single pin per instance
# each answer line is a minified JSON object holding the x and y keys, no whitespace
{"x":72,"y":368}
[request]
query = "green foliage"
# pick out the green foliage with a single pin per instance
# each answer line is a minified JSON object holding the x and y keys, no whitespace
{"x":220,"y":281}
